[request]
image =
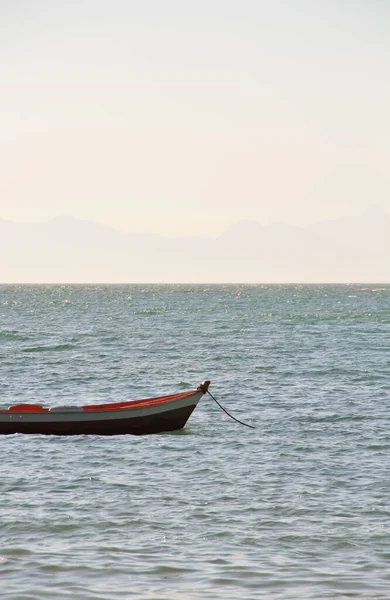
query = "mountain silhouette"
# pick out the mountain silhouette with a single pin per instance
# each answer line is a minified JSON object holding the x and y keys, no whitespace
{"x":66,"y":250}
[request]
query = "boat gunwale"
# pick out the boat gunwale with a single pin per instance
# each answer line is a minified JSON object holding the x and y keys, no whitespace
{"x":137,"y":403}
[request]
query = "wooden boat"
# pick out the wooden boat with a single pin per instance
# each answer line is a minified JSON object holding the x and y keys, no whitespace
{"x":137,"y":417}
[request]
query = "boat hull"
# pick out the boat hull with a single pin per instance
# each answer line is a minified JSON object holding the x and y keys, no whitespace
{"x":166,"y":421}
{"x":142,"y":417}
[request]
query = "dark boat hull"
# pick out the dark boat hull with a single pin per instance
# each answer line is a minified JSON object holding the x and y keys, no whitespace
{"x":170,"y":420}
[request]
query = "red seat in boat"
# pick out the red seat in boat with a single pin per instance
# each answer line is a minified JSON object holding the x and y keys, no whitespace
{"x":27,"y":407}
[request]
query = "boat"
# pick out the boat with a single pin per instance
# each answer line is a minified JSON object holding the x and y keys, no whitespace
{"x":137,"y":417}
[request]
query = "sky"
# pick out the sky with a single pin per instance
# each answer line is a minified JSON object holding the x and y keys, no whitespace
{"x":181,"y":117}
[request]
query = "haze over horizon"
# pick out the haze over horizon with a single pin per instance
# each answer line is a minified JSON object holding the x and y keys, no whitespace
{"x":67,"y":250}
{"x":182,"y":119}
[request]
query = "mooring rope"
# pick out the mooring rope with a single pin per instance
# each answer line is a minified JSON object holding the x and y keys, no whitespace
{"x":231,"y":416}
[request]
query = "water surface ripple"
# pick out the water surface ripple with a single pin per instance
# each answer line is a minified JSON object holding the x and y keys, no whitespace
{"x":297,"y":508}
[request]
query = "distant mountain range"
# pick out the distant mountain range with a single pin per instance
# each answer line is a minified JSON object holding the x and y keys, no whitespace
{"x":65,"y":250}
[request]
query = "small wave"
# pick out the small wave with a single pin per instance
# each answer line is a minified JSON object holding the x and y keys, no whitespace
{"x":57,"y":348}
{"x":224,"y":581}
{"x":335,"y":418}
{"x":15,"y":551}
{"x":168,"y":569}
{"x":11,"y":334}
{"x":184,"y":385}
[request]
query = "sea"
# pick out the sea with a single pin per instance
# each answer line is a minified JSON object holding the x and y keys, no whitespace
{"x":296,"y":508}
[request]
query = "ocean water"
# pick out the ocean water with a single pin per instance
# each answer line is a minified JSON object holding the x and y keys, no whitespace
{"x":297,"y":508}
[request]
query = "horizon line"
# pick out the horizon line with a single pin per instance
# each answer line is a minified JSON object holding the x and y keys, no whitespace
{"x":170,"y":283}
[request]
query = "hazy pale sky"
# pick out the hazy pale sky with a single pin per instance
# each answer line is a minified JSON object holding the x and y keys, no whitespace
{"x":182,"y":117}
